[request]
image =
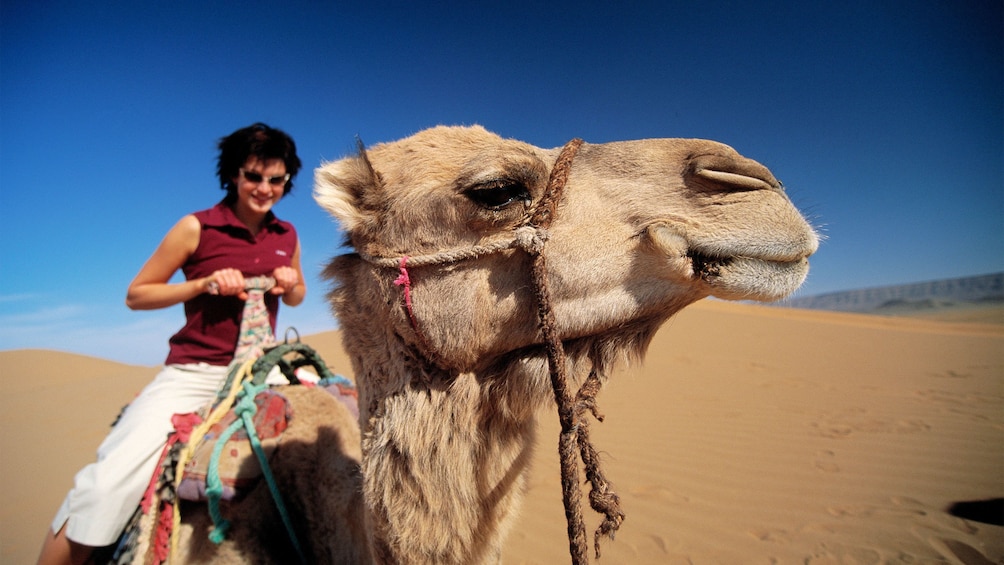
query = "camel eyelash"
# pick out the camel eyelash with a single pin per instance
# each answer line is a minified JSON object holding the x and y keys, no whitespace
{"x":497,"y":194}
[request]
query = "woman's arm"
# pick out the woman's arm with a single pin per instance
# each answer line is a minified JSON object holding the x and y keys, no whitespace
{"x":150,"y":289}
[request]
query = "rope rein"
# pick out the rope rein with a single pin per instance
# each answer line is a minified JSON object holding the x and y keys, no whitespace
{"x":525,"y":237}
{"x":573,"y":442}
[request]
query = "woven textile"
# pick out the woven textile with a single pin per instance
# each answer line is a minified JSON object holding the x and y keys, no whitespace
{"x":256,"y":331}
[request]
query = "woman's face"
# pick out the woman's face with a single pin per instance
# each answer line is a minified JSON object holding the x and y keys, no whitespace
{"x":260,"y":184}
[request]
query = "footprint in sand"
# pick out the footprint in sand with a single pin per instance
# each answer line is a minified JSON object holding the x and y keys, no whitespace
{"x":825,"y":461}
{"x":791,"y":383}
{"x":778,"y":536}
{"x":837,"y":554}
{"x":951,"y":374}
{"x":907,"y":502}
{"x":661,"y":543}
{"x":959,"y":398}
{"x":961,"y":552}
{"x":832,"y":430}
{"x":844,"y":424}
{"x":660,"y":492}
{"x":868,"y":510}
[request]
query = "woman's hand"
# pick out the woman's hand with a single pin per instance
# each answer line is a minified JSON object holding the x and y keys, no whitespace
{"x":227,"y":282}
{"x":289,"y":281}
{"x":285,"y":279}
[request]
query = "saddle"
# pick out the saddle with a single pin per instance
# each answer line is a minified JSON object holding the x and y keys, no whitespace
{"x":223,"y":453}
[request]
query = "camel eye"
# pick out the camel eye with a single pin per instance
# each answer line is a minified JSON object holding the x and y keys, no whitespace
{"x":496,"y":195}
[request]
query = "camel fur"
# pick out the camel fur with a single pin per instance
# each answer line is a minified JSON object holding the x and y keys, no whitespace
{"x":450,"y":387}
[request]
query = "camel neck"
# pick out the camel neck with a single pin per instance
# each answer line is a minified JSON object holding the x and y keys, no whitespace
{"x":443,"y":464}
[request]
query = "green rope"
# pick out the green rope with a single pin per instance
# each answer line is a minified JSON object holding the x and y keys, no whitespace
{"x":245,"y":409}
{"x":305,"y":356}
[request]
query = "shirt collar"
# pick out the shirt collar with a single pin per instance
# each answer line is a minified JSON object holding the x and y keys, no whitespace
{"x":221,"y":215}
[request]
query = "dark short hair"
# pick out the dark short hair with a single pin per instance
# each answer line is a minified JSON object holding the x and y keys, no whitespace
{"x":260,"y":141}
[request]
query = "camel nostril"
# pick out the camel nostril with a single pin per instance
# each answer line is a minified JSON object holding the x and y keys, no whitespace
{"x":734,"y":181}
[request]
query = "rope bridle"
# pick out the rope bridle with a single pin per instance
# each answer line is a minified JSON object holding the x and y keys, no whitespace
{"x":531,"y":238}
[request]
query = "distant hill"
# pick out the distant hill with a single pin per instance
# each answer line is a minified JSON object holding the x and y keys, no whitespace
{"x":927,"y":299}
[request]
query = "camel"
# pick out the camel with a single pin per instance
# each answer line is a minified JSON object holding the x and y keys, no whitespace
{"x":445,"y":332}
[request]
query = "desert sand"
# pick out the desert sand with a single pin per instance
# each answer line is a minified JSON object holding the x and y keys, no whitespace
{"x":749,"y":435}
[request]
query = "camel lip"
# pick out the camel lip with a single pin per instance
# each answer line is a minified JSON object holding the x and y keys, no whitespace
{"x":744,"y":277}
{"x":709,"y":267}
{"x":711,"y":259}
{"x":774,"y":254}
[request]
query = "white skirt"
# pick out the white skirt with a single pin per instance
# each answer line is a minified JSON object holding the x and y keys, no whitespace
{"x":107,"y":492}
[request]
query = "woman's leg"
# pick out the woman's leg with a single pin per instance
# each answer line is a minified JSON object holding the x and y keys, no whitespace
{"x":58,"y":550}
{"x":106,"y":492}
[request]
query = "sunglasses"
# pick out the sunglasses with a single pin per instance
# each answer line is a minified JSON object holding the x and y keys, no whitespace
{"x":256,"y":178}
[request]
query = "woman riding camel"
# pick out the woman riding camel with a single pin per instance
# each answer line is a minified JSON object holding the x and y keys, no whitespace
{"x":217,"y":249}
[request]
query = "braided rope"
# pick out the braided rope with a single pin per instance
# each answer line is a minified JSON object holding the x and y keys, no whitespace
{"x":523,"y":237}
{"x":573,"y":441}
{"x":602,"y":498}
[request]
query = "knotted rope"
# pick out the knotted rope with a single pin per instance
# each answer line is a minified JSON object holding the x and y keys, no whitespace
{"x":573,"y":441}
{"x":574,"y":428}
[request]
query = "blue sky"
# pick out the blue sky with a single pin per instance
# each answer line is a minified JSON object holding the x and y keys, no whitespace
{"x":885,"y":121}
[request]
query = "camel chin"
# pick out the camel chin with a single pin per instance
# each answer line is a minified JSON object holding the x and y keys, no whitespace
{"x":748,"y":278}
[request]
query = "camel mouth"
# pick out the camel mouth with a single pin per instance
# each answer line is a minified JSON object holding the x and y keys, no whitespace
{"x":764,"y":279}
{"x":707,"y":267}
{"x":764,"y":271}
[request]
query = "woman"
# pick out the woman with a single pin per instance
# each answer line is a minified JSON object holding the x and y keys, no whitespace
{"x":215,"y":249}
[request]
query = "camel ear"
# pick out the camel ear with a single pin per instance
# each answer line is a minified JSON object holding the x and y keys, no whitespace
{"x":339,"y":187}
{"x":733,"y":173}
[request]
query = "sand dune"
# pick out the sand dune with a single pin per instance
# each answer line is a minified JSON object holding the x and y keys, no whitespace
{"x":750,"y":435}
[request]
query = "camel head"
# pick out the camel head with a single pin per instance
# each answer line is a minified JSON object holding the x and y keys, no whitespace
{"x":642,"y":229}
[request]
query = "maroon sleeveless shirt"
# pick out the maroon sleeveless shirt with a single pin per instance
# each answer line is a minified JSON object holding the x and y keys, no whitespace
{"x":212,"y":323}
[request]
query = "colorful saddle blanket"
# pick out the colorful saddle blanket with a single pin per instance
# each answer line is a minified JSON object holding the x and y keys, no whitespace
{"x":238,"y":467}
{"x":147,"y":536}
